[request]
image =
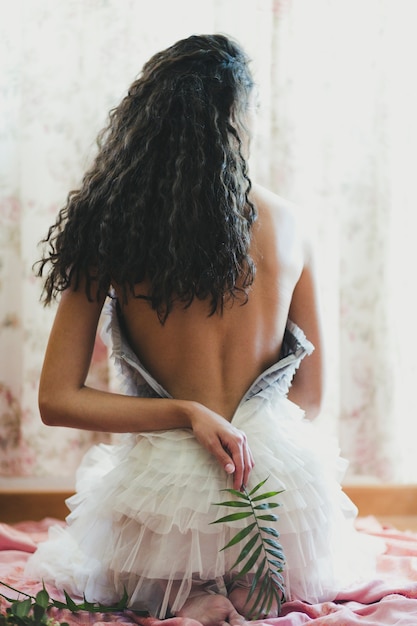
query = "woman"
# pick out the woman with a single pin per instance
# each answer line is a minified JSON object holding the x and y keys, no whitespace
{"x":204,"y":272}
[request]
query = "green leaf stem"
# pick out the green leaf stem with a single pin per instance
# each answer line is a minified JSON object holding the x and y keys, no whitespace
{"x":33,"y":610}
{"x":261,"y":549}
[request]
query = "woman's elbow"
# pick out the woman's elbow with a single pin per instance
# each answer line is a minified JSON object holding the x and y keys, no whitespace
{"x":50,"y":408}
{"x":309,"y":399}
{"x":313,"y":408}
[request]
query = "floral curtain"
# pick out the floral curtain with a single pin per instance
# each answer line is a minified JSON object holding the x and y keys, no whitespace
{"x":336,"y":135}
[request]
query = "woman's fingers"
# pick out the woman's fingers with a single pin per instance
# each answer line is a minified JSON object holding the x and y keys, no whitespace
{"x":248,"y":465}
{"x":227,"y":443}
{"x":238,"y":449}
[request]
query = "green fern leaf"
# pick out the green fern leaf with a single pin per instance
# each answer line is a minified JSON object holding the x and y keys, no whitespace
{"x":273,"y":596}
{"x":87,"y":606}
{"x":261,"y":547}
{"x":268,"y":518}
{"x":232,"y":518}
{"x":277,"y":553}
{"x":266,"y":505}
{"x":281,"y":586}
{"x":123,"y":602}
{"x":233,"y":503}
{"x":265,"y":496}
{"x":33,"y":611}
{"x":250,"y":562}
{"x":245,"y":551}
{"x":256,"y":579}
{"x":39,"y":613}
{"x":257,"y":487}
{"x":240,"y":535}
{"x":269,"y":531}
{"x":42,"y":598}
{"x":263,"y":603}
{"x":238,"y":494}
{"x":70,"y":603}
{"x":270,"y":542}
{"x":21,"y":608}
{"x":262,"y":590}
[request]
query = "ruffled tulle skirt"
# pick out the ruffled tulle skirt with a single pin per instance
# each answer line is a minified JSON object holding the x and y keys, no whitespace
{"x":141,"y":518}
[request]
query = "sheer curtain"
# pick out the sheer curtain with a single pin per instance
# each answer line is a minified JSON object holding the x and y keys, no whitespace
{"x":336,"y":135}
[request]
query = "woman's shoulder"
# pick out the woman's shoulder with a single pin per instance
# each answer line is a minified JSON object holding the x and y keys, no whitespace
{"x":280,"y":210}
{"x":260,"y":195}
{"x":279,"y":218}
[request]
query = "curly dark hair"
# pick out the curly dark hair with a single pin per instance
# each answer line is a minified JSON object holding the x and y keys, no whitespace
{"x":166,"y":199}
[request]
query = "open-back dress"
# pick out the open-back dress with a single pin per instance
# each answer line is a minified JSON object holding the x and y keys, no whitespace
{"x":141,"y":517}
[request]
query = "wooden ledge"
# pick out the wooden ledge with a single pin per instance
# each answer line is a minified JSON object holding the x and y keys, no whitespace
{"x":384,"y":500}
{"x":33,"y":499}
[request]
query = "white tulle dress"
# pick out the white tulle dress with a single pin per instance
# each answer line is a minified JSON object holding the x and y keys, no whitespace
{"x":141,"y":516}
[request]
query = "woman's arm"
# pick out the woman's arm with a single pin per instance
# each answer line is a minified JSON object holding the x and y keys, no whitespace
{"x":307,"y":387}
{"x":65,"y":400}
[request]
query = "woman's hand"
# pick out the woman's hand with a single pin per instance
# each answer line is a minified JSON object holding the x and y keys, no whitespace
{"x":227,"y":443}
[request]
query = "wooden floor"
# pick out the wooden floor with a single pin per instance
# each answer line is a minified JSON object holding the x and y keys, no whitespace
{"x":33,"y":499}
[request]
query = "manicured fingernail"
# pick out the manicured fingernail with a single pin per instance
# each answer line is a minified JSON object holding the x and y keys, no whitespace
{"x":230,"y":468}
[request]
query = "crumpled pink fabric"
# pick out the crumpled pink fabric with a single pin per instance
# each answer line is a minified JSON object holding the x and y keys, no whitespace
{"x":389,"y":600}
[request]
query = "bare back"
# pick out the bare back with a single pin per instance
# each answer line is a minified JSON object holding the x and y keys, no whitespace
{"x":214,"y":359}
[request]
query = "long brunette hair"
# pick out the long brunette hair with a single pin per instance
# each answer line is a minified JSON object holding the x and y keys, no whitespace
{"x":166,"y":199}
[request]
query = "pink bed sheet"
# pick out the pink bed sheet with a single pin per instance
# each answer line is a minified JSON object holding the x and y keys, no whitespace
{"x":390,"y":599}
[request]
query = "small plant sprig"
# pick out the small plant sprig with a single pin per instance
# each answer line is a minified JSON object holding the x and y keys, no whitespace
{"x":267,"y":585}
{"x":33,"y":610}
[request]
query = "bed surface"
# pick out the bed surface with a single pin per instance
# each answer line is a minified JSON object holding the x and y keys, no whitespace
{"x":390,"y":599}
